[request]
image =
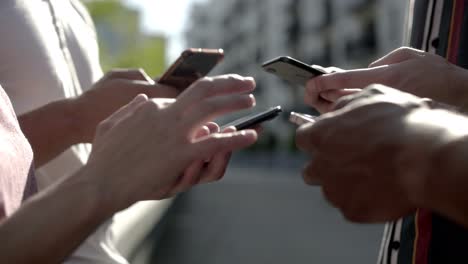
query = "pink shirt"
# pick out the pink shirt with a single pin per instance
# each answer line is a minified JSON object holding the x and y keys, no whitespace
{"x":17,"y":180}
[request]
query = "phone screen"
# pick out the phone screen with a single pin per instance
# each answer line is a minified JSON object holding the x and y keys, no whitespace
{"x":192,"y":65}
{"x":255,"y":119}
{"x":292,"y":70}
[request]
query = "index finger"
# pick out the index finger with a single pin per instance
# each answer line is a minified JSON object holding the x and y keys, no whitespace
{"x":347,"y":79}
{"x":216,"y":86}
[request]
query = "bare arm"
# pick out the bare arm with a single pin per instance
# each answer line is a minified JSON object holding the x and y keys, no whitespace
{"x":51,"y":129}
{"x":48,"y":227}
{"x":57,"y":126}
{"x":446,"y":189}
{"x":122,"y":168}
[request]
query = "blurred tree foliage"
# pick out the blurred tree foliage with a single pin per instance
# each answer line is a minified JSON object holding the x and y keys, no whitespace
{"x":121,"y":41}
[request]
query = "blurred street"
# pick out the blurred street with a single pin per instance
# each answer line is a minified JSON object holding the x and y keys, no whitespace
{"x":261,"y":212}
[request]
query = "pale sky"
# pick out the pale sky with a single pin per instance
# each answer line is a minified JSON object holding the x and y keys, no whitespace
{"x":167,"y":17}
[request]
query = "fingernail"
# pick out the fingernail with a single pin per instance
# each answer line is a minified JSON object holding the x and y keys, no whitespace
{"x":249,"y":133}
{"x":313,"y":181}
{"x":253,"y":101}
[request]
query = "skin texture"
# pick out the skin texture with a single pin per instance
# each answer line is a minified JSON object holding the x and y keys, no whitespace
{"x":384,"y":153}
{"x":409,"y":70}
{"x":148,"y":149}
{"x":73,"y":121}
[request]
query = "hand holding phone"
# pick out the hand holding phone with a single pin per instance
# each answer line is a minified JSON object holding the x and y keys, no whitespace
{"x":191,"y":65}
{"x":255,"y":119}
{"x":292,"y":70}
{"x":301,"y":119}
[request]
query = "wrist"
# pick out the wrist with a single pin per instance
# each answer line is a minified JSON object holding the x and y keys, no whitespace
{"x":78,"y":121}
{"x":96,"y":201}
{"x":447,"y":180}
{"x":431,"y":152}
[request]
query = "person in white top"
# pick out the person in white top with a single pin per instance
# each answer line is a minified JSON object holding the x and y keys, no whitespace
{"x":49,"y":52}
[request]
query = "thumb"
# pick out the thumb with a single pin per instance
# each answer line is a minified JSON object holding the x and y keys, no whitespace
{"x":222,"y":143}
{"x":334,"y":95}
{"x":397,"y":56}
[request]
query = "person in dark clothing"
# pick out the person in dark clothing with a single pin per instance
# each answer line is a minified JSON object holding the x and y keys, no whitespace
{"x":434,"y":67}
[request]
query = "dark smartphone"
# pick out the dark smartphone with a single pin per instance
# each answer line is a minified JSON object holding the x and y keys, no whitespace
{"x":191,"y":65}
{"x":255,"y":119}
{"x":292,"y":70}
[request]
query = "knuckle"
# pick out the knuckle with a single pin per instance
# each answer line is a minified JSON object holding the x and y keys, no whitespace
{"x":306,"y":176}
{"x":403,"y":51}
{"x":210,"y":106}
{"x":150,"y":106}
{"x":245,"y":101}
{"x":329,"y":196}
{"x":408,"y":52}
{"x":354,"y":214}
{"x":375,"y":89}
{"x":105,"y":125}
{"x":316,"y":85}
{"x":115,"y":82}
{"x":234,"y":77}
{"x":345,"y":100}
{"x":206,"y":87}
{"x":113,"y":73}
{"x":110,"y":74}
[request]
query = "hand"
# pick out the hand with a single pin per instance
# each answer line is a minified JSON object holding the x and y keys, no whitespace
{"x":375,"y":155}
{"x":143,"y":149}
{"x":406,"y":69}
{"x":200,"y":171}
{"x":114,"y":90}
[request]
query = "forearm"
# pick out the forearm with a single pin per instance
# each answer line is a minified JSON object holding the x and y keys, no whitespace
{"x":447,"y":185}
{"x":49,"y":226}
{"x":51,"y":129}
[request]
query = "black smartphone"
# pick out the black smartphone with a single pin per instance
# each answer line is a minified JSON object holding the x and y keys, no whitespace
{"x":191,"y":65}
{"x":255,"y":119}
{"x":292,"y":70}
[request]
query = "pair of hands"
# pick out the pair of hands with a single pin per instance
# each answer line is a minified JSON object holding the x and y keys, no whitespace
{"x":377,"y":155}
{"x":114,"y":90}
{"x":409,"y":70}
{"x":153,"y":148}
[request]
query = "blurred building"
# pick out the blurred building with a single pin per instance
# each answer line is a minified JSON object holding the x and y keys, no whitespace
{"x":342,"y":33}
{"x":122,"y":43}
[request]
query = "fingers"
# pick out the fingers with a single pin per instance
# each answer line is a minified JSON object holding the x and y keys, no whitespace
{"x":217,"y":86}
{"x":201,"y":171}
{"x":222,"y":143}
{"x":397,"y":56}
{"x":190,"y":177}
{"x":216,"y":168}
{"x":201,"y":132}
{"x":157,"y":90}
{"x":320,"y":85}
{"x":334,"y":95}
{"x":213,"y":107}
{"x":213,"y":127}
{"x":130,"y":74}
{"x":218,"y":164}
{"x":366,"y":93}
{"x":333,"y":69}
